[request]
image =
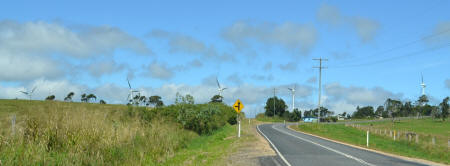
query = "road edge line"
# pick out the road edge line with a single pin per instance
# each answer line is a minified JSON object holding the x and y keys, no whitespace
{"x":274,"y":147}
{"x":417,"y":160}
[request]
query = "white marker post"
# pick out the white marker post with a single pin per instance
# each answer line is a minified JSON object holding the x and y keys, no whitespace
{"x":367,"y":144}
{"x":239,"y":130}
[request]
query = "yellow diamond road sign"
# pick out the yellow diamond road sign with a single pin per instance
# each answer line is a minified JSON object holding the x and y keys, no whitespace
{"x":238,"y":106}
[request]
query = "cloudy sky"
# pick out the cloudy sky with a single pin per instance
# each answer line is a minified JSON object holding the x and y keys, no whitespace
{"x":375,"y":50}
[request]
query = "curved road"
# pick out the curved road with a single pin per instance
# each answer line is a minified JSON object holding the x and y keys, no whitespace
{"x":295,"y":148}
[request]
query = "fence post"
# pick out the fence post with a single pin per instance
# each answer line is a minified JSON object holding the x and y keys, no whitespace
{"x":390,"y":133}
{"x":394,"y":135}
{"x":433,"y":141}
{"x":13,"y":124}
{"x":417,"y":138}
{"x":367,"y":144}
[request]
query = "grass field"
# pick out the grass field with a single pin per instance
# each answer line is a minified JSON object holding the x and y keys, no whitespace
{"x":426,"y":126}
{"x":60,"y":133}
{"x":384,"y":143}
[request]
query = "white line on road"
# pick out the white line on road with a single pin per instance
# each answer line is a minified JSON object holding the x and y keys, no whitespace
{"x":281,"y":156}
{"x":328,"y":148}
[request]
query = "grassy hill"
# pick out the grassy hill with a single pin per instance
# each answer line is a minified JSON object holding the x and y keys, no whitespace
{"x":61,"y":133}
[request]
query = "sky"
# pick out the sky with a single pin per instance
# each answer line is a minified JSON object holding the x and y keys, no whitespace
{"x":375,"y":50}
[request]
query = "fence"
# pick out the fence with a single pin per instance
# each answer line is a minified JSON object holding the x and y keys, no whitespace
{"x":408,"y":136}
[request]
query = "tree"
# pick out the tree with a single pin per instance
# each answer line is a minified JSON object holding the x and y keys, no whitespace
{"x":69,"y":96}
{"x":216,"y":99}
{"x":50,"y":98}
{"x":142,"y":100}
{"x":363,"y":112}
{"x":136,"y":100}
{"x":102,"y":102}
{"x":189,"y":99}
{"x":423,"y":100}
{"x":84,"y":98}
{"x":393,"y":107}
{"x":295,"y":116}
{"x":90,"y":97}
{"x":280,"y":106}
{"x":379,"y":111}
{"x":155,"y":101}
{"x":444,"y":108}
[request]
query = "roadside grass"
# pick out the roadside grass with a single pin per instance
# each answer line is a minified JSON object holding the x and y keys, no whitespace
{"x":206,"y":150}
{"x":62,"y":133}
{"x":382,"y":143}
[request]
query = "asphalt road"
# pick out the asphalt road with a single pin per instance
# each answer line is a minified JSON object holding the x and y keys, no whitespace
{"x":299,"y":149}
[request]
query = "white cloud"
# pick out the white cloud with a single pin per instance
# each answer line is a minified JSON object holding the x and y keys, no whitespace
{"x":159,"y":71}
{"x":291,"y":66}
{"x":180,"y":43}
{"x":365,"y":28}
{"x":339,"y":97}
{"x":40,"y":49}
{"x":24,"y":68}
{"x":267,"y":66}
{"x":49,"y":38}
{"x":441,"y":34}
{"x":98,"y":69}
{"x":312,"y":80}
{"x":300,"y":37}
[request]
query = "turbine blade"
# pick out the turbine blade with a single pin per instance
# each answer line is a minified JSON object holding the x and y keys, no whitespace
{"x":129,"y":85}
{"x":290,"y":89}
{"x":224,"y":89}
{"x":217,"y":80}
{"x":33,"y":89}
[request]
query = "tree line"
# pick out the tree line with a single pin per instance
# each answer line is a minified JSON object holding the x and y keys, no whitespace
{"x":276,"y":107}
{"x":395,"y":108}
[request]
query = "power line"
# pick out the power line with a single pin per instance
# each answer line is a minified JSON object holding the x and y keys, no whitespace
{"x":320,"y":82}
{"x":403,"y":45}
{"x":396,"y":57}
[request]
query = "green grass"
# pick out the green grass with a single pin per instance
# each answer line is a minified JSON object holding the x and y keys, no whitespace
{"x":61,"y":133}
{"x":206,"y":150}
{"x":358,"y":137}
{"x":423,"y":126}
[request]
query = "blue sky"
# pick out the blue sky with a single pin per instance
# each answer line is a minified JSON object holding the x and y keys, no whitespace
{"x":166,"y":47}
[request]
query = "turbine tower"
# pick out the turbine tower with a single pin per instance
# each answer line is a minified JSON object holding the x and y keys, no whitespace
{"x":423,"y":86}
{"x":293,"y":96}
{"x":220,"y":89}
{"x":131,"y":93}
{"x":30,"y":93}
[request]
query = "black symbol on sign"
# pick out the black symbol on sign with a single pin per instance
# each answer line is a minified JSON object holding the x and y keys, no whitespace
{"x":238,"y":106}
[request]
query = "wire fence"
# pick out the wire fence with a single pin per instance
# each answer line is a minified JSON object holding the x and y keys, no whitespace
{"x":428,"y":140}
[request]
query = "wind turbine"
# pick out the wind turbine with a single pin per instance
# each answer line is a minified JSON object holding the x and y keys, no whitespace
{"x":423,"y":85}
{"x":131,"y":93}
{"x":220,"y":89}
{"x":293,"y":96}
{"x":30,"y":93}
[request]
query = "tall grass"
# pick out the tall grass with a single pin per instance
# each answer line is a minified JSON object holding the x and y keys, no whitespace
{"x":56,"y":133}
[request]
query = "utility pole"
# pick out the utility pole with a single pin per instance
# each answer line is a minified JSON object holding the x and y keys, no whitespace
{"x":320,"y":83}
{"x":274,"y":89}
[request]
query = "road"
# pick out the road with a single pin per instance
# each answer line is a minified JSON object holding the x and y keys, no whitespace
{"x":295,"y":148}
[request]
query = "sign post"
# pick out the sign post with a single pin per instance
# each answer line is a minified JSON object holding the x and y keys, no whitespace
{"x":238,"y":106}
